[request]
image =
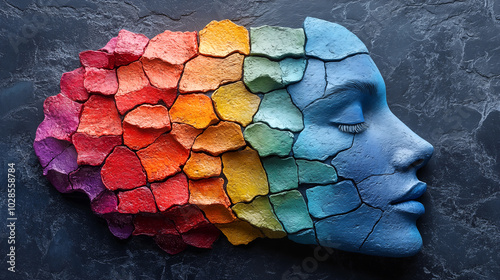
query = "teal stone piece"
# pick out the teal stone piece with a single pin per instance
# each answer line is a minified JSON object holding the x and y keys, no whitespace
{"x":311,"y":87}
{"x":304,"y":237}
{"x":329,"y":41}
{"x":261,"y":75}
{"x":292,"y":69}
{"x":340,"y":198}
{"x":348,"y":231}
{"x":282,"y":173}
{"x":268,"y":141}
{"x":277,"y":42}
{"x":278,"y":111}
{"x":291,"y":210}
{"x":316,"y":172}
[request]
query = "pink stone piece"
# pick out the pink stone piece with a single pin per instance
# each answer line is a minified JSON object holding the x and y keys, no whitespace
{"x":129,"y":47}
{"x":101,"y":81}
{"x":105,"y":203}
{"x":72,"y":85}
{"x":97,"y":59}
{"x":93,"y":150}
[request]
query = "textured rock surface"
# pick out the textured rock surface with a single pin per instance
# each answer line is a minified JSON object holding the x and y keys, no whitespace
{"x":268,"y":141}
{"x":281,"y":173}
{"x":101,"y":81}
{"x":131,"y":78}
{"x":233,"y":102}
{"x":161,"y":74}
{"x":100,"y":117}
{"x":173,"y":47}
{"x":277,"y":42}
{"x":149,"y":95}
{"x":292,"y":69}
{"x":221,"y":38}
{"x":194,"y":109}
{"x":291,"y":210}
{"x":93,"y":150}
{"x":97,"y":59}
{"x":185,"y":134}
{"x":208,"y":192}
{"x":278,"y":111}
{"x":72,"y":85}
{"x":262,"y":74}
{"x":240,"y":232}
{"x":129,"y":47}
{"x":136,"y":200}
{"x":323,"y":201}
{"x":316,"y":172}
{"x":201,"y":165}
{"x":220,"y":138}
{"x":173,"y":191}
{"x":122,"y":170}
{"x":440,"y":63}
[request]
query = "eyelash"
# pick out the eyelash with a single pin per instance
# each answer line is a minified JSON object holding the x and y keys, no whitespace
{"x":353,"y":128}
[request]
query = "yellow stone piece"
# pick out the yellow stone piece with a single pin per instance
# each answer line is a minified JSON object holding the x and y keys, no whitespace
{"x":260,"y":214}
{"x":201,"y":165}
{"x":233,"y":102}
{"x":239,"y":232}
{"x":245,"y":175}
{"x":220,"y":38}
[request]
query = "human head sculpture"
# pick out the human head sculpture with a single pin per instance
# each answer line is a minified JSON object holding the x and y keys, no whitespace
{"x":281,"y":133}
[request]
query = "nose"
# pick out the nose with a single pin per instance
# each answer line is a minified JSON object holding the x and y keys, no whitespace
{"x":412,"y":151}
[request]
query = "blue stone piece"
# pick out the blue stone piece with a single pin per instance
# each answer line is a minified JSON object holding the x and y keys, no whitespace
{"x":311,"y":87}
{"x":316,"y":172}
{"x":291,"y":210}
{"x":277,"y":110}
{"x":330,"y":41}
{"x":304,"y":237}
{"x":292,"y":70}
{"x":324,"y":201}
{"x":348,"y":231}
{"x":281,"y":173}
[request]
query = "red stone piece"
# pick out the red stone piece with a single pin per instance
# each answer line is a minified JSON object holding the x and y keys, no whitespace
{"x":151,"y":225}
{"x":122,"y":170}
{"x":137,"y":138}
{"x":174,"y":191}
{"x":72,"y":85}
{"x":170,"y":243}
{"x":97,"y":59}
{"x":185,"y":134}
{"x":161,"y":74}
{"x":129,"y":47}
{"x":202,"y":237}
{"x":136,"y":200}
{"x":101,"y":81}
{"x":110,"y":46}
{"x":149,"y":95}
{"x":93,"y":150}
{"x":173,"y":47}
{"x":186,"y":217}
{"x":100,"y":117}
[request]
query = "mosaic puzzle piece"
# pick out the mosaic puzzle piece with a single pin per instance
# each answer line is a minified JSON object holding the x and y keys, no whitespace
{"x":122,"y":170}
{"x":324,"y":201}
{"x":102,"y":81}
{"x":218,"y":213}
{"x":58,"y":169}
{"x":105,"y":203}
{"x":281,"y":173}
{"x":316,"y":172}
{"x":208,"y":192}
{"x":277,"y":42}
{"x":72,"y":85}
{"x":239,"y":232}
{"x":97,"y":59}
{"x":220,"y":138}
{"x":61,"y":118}
{"x":278,"y":111}
{"x":268,"y":141}
{"x":93,"y":150}
{"x":221,"y":38}
{"x":149,"y":117}
{"x":291,"y":210}
{"x":146,"y":95}
{"x":110,"y":46}
{"x":161,"y":74}
{"x":47,"y":149}
{"x":129,"y":47}
{"x":173,"y":47}
{"x":194,"y":109}
{"x":137,"y":138}
{"x":186,"y":217}
{"x":173,"y":191}
{"x":100,"y":117}
{"x":87,"y":179}
{"x":311,"y":87}
{"x":292,"y":69}
{"x":131,"y":78}
{"x":233,"y":102}
{"x":201,"y":165}
{"x":185,"y":134}
{"x":262,"y":75}
{"x":136,"y":200}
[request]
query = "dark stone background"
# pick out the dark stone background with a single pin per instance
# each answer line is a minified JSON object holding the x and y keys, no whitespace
{"x":441,"y":62}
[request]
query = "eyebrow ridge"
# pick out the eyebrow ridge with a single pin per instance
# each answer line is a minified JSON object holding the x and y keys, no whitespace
{"x":355,"y":85}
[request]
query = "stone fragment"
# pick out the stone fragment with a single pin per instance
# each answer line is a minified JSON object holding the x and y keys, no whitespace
{"x":233,"y":102}
{"x":137,"y":138}
{"x":170,"y":243}
{"x":292,"y":69}
{"x":268,"y":141}
{"x":185,"y":134}
{"x":122,"y":170}
{"x":245,"y":175}
{"x":153,"y":224}
{"x":208,"y":192}
{"x":307,"y":236}
{"x":47,"y":149}
{"x":161,"y":74}
{"x":277,"y":42}
{"x":72,"y":85}
{"x":202,"y":237}
{"x":220,"y":138}
{"x":100,"y":117}
{"x":281,"y":173}
{"x":131,"y":78}
{"x":347,"y":231}
{"x":173,"y":47}
{"x":261,"y":74}
{"x":58,"y":169}
{"x":291,"y":210}
{"x":201,"y":165}
{"x":61,"y":118}
{"x":120,"y":225}
{"x":239,"y":232}
{"x":330,"y":41}
{"x":221,"y":38}
{"x":204,"y":73}
{"x":105,"y":203}
{"x":316,"y":172}
{"x":146,"y":95}
{"x":149,"y":117}
{"x":93,"y":150}
{"x":278,"y":111}
{"x":129,"y":47}
{"x":260,"y":214}
{"x":186,"y":217}
{"x":163,"y":158}
{"x":311,"y":87}
{"x":218,"y":213}
{"x":100,"y":81}
{"x":174,"y":191}
{"x":87,"y":179}
{"x":110,"y":46}
{"x":324,"y":201}
{"x":136,"y":200}
{"x":194,"y":109}
{"x":97,"y":59}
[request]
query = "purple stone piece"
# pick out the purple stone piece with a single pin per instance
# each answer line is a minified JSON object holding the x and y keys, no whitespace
{"x":87,"y":179}
{"x":58,"y":169}
{"x":105,"y":203}
{"x":120,"y":225}
{"x":48,"y":148}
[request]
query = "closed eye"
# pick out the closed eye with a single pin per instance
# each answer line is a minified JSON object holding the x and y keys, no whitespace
{"x":353,"y":128}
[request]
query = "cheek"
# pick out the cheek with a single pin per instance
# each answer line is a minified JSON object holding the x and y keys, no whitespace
{"x":320,"y":142}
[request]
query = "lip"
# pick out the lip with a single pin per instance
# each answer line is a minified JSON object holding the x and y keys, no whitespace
{"x":411,"y":207}
{"x":415,"y":192}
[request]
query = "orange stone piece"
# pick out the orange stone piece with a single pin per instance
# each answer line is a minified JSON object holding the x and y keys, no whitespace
{"x":218,"y":214}
{"x":138,"y":138}
{"x":163,"y":158}
{"x":173,"y":47}
{"x":149,"y":117}
{"x":207,"y":192}
{"x":193,"y":109}
{"x":204,"y":73}
{"x":220,"y":38}
{"x":220,"y":138}
{"x":161,"y":74}
{"x":131,"y":78}
{"x":150,"y":95}
{"x":100,"y":117}
{"x":201,"y":165}
{"x":185,"y":134}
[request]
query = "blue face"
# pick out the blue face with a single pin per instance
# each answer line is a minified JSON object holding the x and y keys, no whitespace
{"x":348,"y":124}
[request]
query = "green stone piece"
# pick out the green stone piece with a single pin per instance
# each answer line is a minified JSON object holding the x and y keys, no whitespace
{"x":278,"y":111}
{"x":281,"y":173}
{"x":316,"y":172}
{"x":268,"y":141}
{"x":277,"y":42}
{"x":260,"y":214}
{"x":261,"y":74}
{"x":293,"y":70}
{"x":291,"y":210}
